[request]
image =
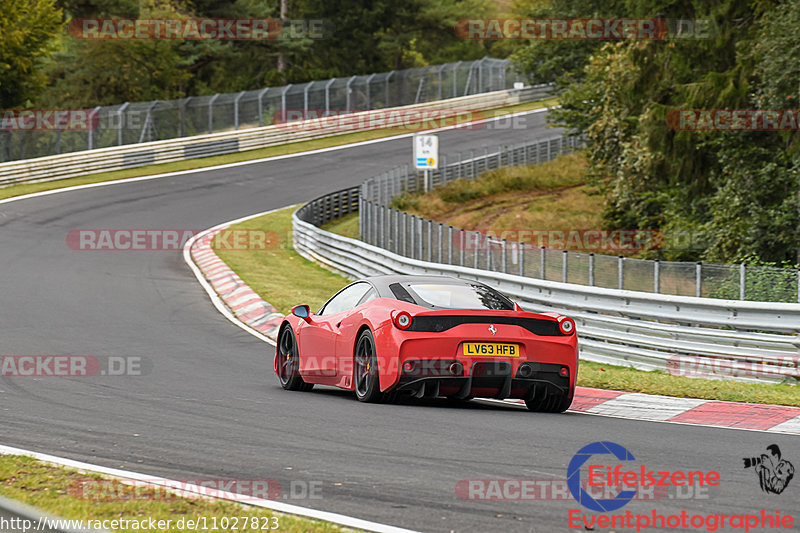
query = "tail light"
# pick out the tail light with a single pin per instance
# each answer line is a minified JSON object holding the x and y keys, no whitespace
{"x":566,"y":325}
{"x":401,"y":320}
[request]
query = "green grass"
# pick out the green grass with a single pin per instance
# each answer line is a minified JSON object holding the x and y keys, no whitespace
{"x":283,"y":278}
{"x":347,"y":226}
{"x":280,"y":275}
{"x":327,"y":142}
{"x":60,"y":491}
{"x":603,"y":376}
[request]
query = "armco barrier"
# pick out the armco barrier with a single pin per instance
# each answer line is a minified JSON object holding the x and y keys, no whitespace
{"x":748,"y":341}
{"x":136,"y":155}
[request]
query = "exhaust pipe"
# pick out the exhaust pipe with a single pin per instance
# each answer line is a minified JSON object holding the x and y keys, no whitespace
{"x":525,"y":371}
{"x":457,"y":369}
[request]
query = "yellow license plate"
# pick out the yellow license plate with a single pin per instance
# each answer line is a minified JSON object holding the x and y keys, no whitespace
{"x":492,"y":349}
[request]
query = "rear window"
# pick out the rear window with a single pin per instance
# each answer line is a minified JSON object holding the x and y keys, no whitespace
{"x":459,"y":296}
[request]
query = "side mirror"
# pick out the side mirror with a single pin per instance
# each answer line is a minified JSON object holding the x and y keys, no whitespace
{"x":517,"y":307}
{"x":301,"y":311}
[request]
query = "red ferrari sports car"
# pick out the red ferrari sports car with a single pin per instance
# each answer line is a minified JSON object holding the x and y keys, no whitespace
{"x":429,"y":336}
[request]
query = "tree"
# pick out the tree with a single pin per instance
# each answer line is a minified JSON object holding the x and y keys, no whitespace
{"x":28,"y":31}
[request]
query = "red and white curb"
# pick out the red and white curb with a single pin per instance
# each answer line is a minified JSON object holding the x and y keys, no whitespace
{"x":244,"y":307}
{"x":692,"y":411}
{"x":240,"y":300}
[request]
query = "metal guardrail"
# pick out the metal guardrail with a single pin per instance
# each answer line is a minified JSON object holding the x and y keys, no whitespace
{"x":683,"y":334}
{"x":425,"y":239}
{"x":136,"y":155}
{"x":138,"y":122}
{"x":748,"y":341}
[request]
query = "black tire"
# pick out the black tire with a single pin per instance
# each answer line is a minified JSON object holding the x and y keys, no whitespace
{"x":366,"y":377}
{"x":289,"y":363}
{"x":540,"y":400}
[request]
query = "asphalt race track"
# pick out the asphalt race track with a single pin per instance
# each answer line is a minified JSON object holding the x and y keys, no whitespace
{"x":211,"y":407}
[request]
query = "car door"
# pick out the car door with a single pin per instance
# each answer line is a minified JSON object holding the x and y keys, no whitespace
{"x":318,"y":337}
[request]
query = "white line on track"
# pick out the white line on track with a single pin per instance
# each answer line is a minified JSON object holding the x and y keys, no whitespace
{"x":276,"y":506}
{"x":144,"y":479}
{"x":262,"y":160}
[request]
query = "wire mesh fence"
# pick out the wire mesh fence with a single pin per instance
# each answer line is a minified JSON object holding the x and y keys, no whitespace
{"x":137,"y":122}
{"x":427,"y":240}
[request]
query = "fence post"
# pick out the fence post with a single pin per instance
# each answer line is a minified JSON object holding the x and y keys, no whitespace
{"x":305,"y":98}
{"x":743,"y":281}
{"x":455,"y":79}
{"x":369,"y":95}
{"x":328,"y":95}
{"x":699,"y":273}
{"x":591,"y":269}
{"x":211,"y":113}
{"x":119,"y":126}
{"x":347,"y":94}
{"x":439,"y":260}
{"x":236,"y":110}
{"x":463,"y":240}
{"x":283,"y":98}
{"x":620,"y":269}
{"x":503,"y":259}
{"x":261,"y":94}
{"x":656,"y":276}
{"x":488,"y":253}
{"x":476,"y":248}
{"x":386,"y":88}
{"x":542,"y":253}
{"x":449,"y":245}
{"x":564,"y":259}
{"x":413,"y":230}
{"x":421,"y":239}
{"x":95,"y":113}
{"x":396,"y":231}
{"x":521,"y":246}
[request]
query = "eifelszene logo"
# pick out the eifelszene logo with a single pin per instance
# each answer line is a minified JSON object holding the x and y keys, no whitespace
{"x":774,"y":473}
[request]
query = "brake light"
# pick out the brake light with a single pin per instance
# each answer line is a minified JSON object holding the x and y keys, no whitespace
{"x":401,"y":320}
{"x":567,"y":326}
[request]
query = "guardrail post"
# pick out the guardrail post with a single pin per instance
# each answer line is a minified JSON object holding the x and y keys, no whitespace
{"x":564,"y":259}
{"x":620,"y":268}
{"x":236,"y":110}
{"x":211,"y":113}
{"x":656,"y":276}
{"x":261,"y":94}
{"x":119,"y":126}
{"x":743,"y":281}
{"x":591,"y":269}
{"x":699,"y":273}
